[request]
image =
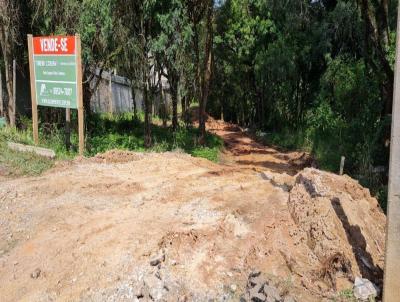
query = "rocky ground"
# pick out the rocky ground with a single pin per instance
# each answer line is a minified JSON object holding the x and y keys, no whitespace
{"x":168,"y":227}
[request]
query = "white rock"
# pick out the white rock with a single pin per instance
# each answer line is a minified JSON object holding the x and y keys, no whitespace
{"x":364,"y":289}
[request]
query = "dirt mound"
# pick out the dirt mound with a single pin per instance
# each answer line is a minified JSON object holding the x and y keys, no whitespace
{"x":212,"y":124}
{"x":193,"y":113}
{"x":340,"y":223}
{"x":117,"y":156}
{"x":170,"y":227}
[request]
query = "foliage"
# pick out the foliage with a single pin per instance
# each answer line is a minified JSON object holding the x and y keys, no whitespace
{"x":111,"y":132}
{"x":308,"y":74}
{"x":93,"y":22}
{"x":125,"y":132}
{"x":316,"y":75}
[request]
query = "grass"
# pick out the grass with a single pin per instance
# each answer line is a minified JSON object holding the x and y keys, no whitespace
{"x":326,"y":153}
{"x":126,"y":132}
{"x":104,"y":132}
{"x":19,"y":163}
{"x":346,"y":296}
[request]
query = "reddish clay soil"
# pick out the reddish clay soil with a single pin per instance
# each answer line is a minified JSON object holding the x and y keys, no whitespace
{"x":242,"y":149}
{"x":126,"y":226}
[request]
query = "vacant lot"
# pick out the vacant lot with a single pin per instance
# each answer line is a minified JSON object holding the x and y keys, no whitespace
{"x":123,"y":226}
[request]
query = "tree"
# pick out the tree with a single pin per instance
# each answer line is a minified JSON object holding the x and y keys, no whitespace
{"x":319,"y":73}
{"x":208,"y":55}
{"x":200,"y":15}
{"x":95,"y":25}
{"x":9,"y":38}
{"x":135,"y":27}
{"x":375,"y":17}
{"x":171,"y":48}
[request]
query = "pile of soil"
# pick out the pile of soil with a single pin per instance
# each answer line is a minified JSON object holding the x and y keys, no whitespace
{"x":342,"y":226}
{"x":168,"y":227}
{"x":117,"y":156}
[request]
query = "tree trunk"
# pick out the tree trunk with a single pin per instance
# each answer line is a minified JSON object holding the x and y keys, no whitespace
{"x":133,"y":100}
{"x":1,"y":95}
{"x":197,"y":63}
{"x":375,"y":38}
{"x":10,"y":92}
{"x":187,"y":115}
{"x":174,"y":97}
{"x":207,"y":73}
{"x":183,"y":105}
{"x":9,"y":26}
{"x":147,"y":115}
{"x":384,"y":23}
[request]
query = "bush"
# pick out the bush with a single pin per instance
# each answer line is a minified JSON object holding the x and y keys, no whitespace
{"x":345,"y":120}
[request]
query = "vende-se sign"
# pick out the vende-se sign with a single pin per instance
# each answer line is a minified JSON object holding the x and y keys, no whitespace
{"x":56,"y":78}
{"x":55,"y":71}
{"x":54,"y":45}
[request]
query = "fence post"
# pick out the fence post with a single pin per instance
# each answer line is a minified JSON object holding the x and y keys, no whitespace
{"x":342,"y":165}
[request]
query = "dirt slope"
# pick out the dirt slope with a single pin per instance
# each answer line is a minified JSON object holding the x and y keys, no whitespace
{"x":170,"y":227}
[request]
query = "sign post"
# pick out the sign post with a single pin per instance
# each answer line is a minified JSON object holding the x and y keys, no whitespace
{"x":80,"y":96}
{"x":56,"y":77}
{"x":392,"y":257}
{"x":1,"y":95}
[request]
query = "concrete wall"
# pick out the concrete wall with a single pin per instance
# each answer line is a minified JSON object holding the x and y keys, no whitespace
{"x":118,"y":98}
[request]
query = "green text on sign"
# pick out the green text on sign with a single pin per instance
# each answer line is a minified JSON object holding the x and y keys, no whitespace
{"x":55,"y":81}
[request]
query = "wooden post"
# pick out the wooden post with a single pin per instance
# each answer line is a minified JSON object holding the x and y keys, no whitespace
{"x":392,"y":258}
{"x":342,"y":165}
{"x":1,"y":95}
{"x":80,"y":95}
{"x":68,"y":128}
{"x":35,"y":126}
{"x":14,"y":88}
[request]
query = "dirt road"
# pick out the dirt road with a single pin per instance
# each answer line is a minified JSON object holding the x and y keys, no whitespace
{"x":244,"y":151}
{"x":168,"y":227}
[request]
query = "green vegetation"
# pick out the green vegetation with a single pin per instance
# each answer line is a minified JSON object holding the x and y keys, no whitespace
{"x":346,"y":295}
{"x":126,"y":132}
{"x":327,"y":149}
{"x":19,"y":163}
{"x":109,"y":132}
{"x":315,"y":75}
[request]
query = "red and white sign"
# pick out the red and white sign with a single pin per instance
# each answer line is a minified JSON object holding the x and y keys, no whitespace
{"x":54,"y":45}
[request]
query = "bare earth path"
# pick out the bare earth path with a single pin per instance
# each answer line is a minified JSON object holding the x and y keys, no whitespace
{"x":243,"y":150}
{"x":168,"y":227}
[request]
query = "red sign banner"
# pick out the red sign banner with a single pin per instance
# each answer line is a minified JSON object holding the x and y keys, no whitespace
{"x":54,"y":45}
